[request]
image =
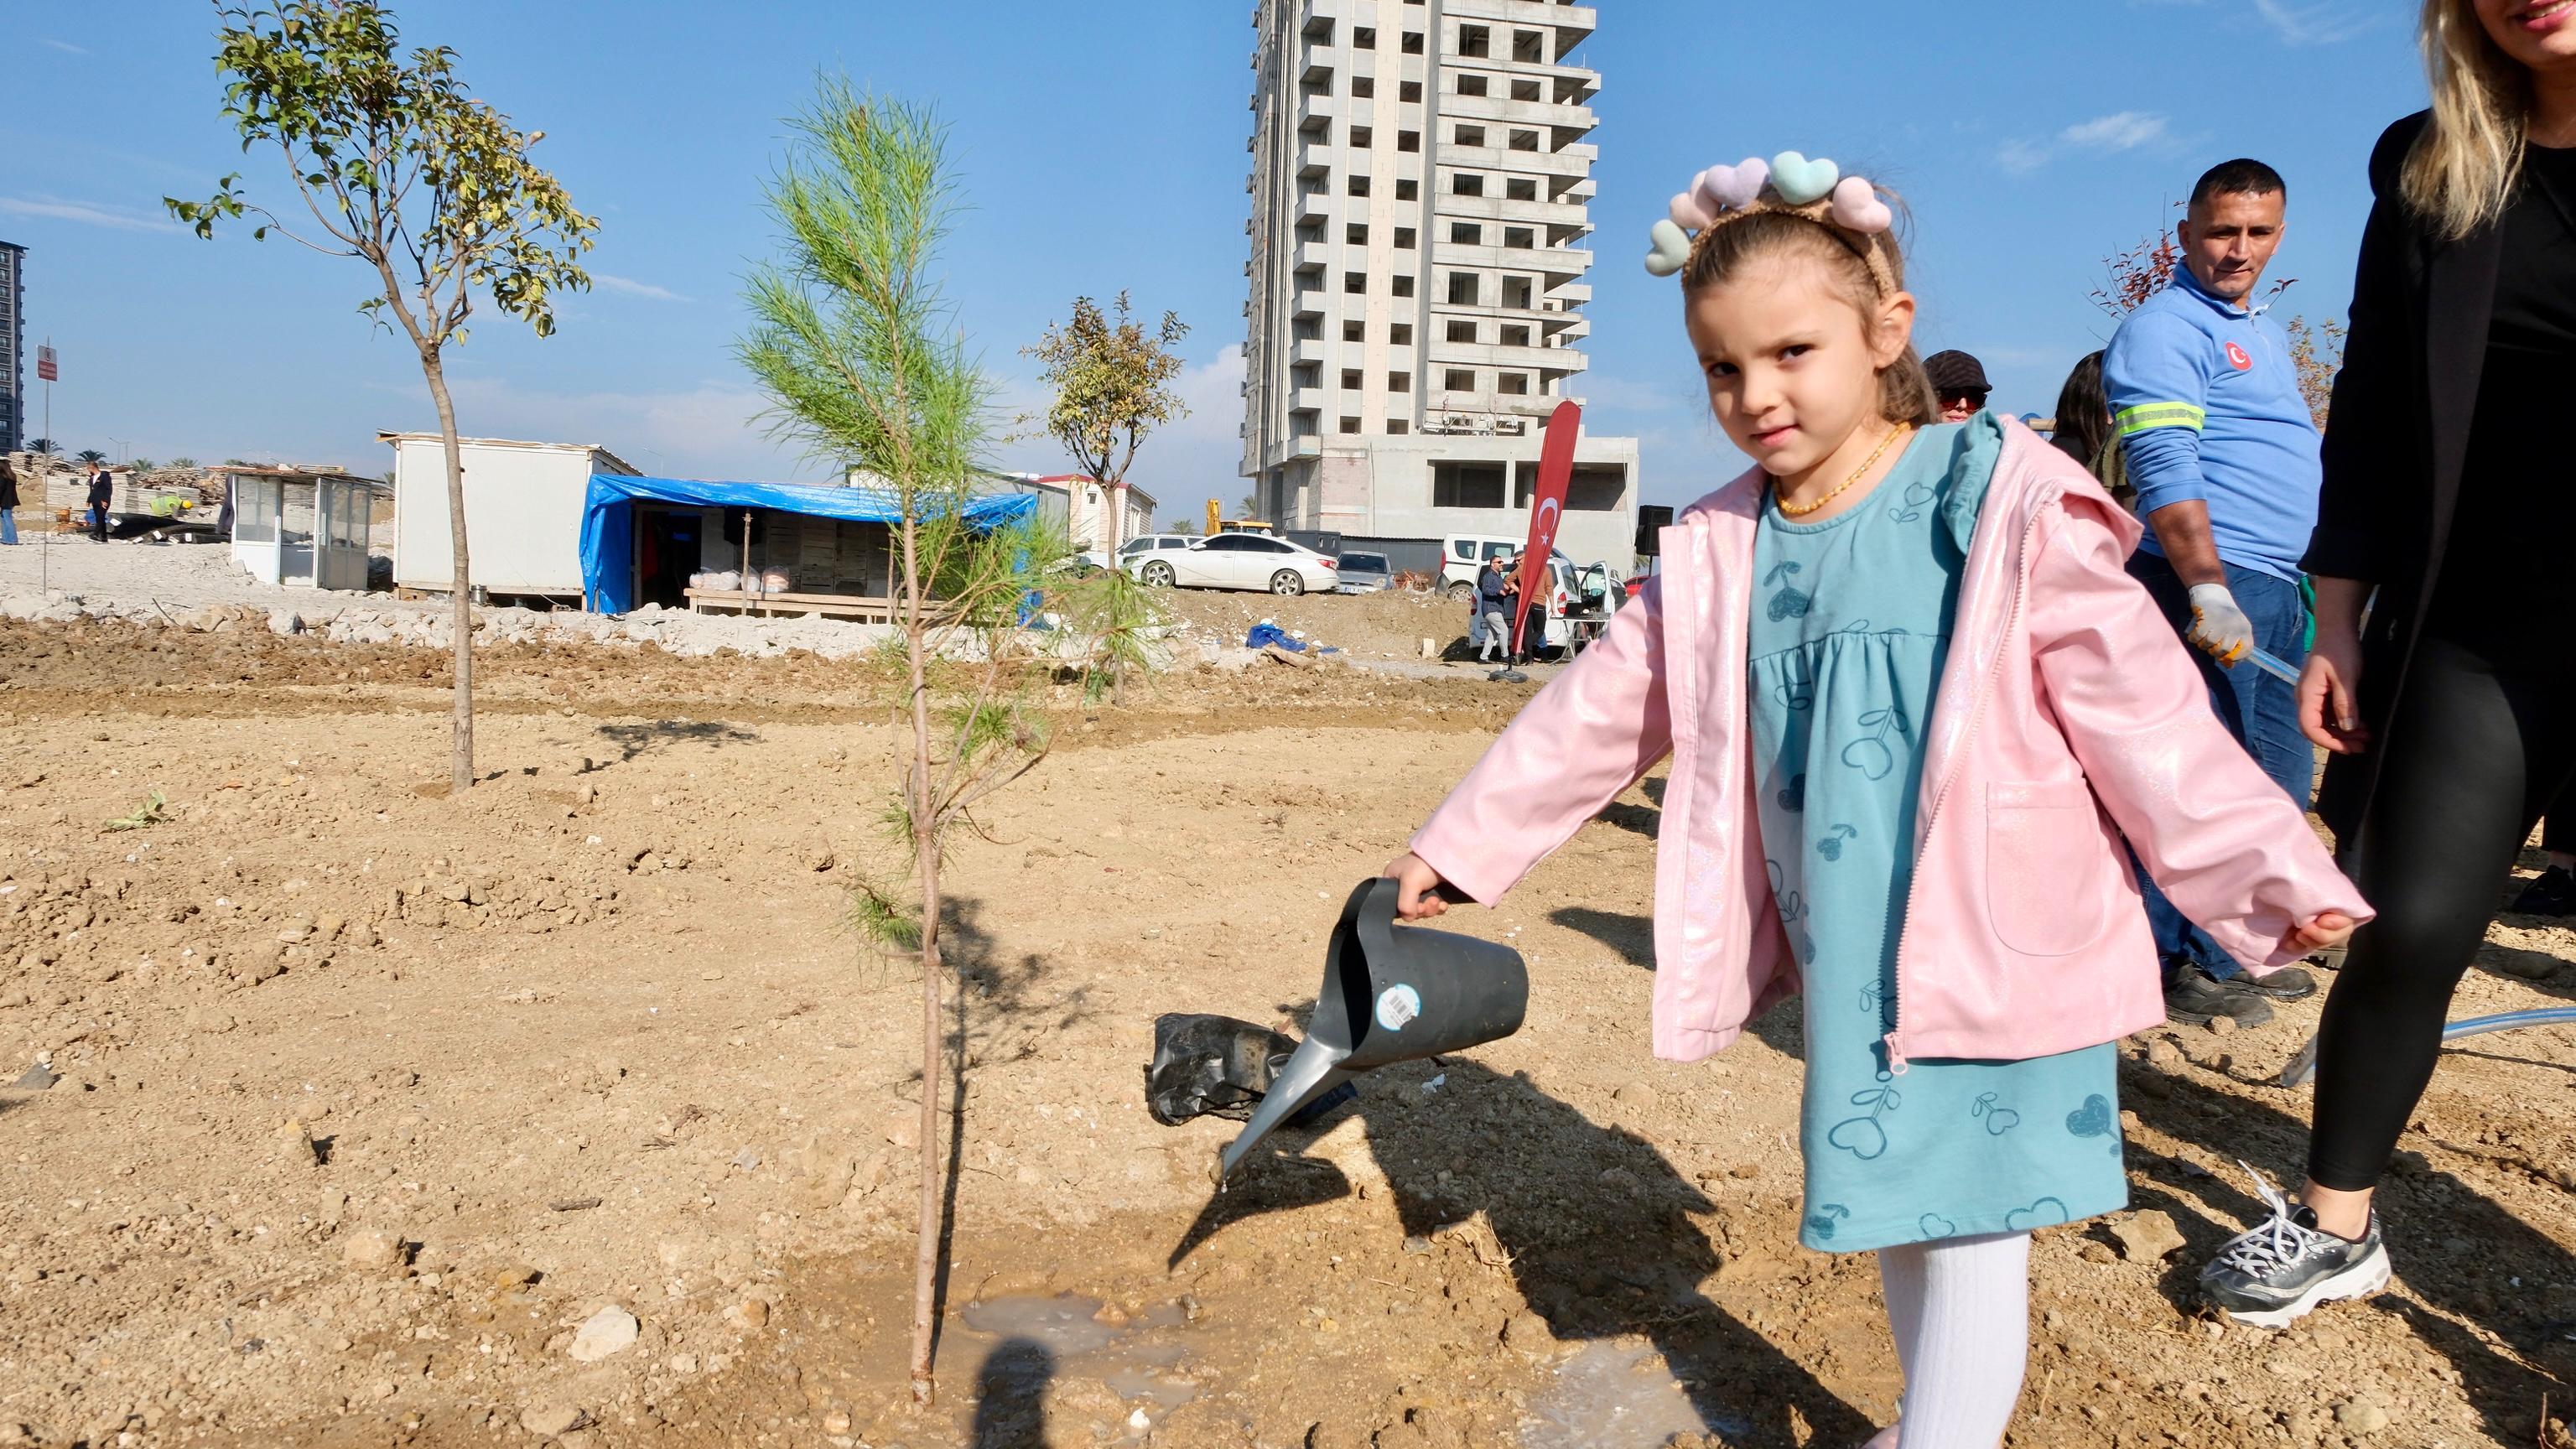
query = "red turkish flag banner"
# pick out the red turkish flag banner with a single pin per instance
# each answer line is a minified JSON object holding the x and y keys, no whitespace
{"x":1547,"y":508}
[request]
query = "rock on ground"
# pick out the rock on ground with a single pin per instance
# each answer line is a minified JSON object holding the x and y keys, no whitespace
{"x":610,"y":1330}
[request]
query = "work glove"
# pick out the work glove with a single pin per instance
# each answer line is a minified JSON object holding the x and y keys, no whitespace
{"x":2219,"y":628}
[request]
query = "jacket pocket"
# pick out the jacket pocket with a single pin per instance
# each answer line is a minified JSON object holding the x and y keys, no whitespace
{"x":2044,"y":864}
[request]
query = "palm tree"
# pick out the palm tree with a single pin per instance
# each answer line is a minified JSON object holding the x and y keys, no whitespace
{"x":183,"y":462}
{"x":46,"y":447}
{"x":90,"y":455}
{"x":142,"y":465}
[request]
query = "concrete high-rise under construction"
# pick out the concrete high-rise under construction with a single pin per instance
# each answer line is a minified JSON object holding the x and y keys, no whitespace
{"x":1420,"y":189}
{"x":13,"y":347}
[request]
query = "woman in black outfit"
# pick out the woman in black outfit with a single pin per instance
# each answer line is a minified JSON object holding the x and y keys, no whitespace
{"x":2440,"y":679}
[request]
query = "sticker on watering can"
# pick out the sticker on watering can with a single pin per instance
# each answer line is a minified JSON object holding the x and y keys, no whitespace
{"x":1398,"y":1005}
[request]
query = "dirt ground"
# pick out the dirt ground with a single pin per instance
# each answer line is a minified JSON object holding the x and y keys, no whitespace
{"x":380,"y":1111}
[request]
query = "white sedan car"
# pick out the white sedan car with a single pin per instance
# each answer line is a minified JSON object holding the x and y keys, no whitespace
{"x":1235,"y":561}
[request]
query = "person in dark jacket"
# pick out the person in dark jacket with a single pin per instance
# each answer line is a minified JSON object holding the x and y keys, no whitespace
{"x":2440,"y":679}
{"x":102,"y":491}
{"x":8,"y":503}
{"x":1493,"y":590}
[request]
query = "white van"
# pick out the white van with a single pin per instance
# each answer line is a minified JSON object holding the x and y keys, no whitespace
{"x":1463,"y":555}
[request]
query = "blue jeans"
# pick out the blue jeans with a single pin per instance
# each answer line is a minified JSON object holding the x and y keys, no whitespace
{"x":2260,"y":711}
{"x":8,"y":525}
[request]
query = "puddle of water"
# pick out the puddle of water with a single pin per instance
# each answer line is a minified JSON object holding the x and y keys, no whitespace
{"x":1137,"y":1361}
{"x":1616,"y":1396}
{"x":1064,"y":1324}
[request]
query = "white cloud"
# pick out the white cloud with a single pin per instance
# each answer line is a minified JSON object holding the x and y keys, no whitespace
{"x":2322,"y":23}
{"x":632,"y":288}
{"x":2103,"y":135}
{"x":2122,"y":131}
{"x":62,"y":45}
{"x":711,"y":430}
{"x":85,"y":213}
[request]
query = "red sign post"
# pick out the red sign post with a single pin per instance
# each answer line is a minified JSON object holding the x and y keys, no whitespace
{"x":45,"y":368}
{"x":1547,"y":509}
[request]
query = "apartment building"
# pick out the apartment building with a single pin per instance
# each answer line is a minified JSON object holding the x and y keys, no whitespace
{"x":1421,"y":188}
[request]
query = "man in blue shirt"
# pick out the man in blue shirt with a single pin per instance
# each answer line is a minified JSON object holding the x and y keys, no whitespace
{"x":2223,"y":453}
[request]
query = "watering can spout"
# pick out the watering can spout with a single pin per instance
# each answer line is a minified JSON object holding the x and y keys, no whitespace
{"x":1389,"y":994}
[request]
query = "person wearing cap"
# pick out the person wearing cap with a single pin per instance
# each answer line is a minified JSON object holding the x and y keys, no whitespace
{"x":1959,"y":383}
{"x":2224,"y":456}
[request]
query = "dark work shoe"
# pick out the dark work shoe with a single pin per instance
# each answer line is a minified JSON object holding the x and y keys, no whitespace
{"x":2195,"y":998}
{"x":2287,"y":984}
{"x":2551,"y":893}
{"x":2274,"y":1274}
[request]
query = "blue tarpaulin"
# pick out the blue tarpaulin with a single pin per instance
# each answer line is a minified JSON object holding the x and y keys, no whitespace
{"x":608,"y":519}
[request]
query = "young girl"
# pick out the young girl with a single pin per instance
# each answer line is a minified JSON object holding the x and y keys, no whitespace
{"x":1913,"y":703}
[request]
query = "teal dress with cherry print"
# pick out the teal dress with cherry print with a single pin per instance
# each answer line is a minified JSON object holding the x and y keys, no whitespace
{"x":1850,"y":625}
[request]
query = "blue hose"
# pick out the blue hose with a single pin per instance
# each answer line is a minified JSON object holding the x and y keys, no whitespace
{"x":2303,"y":1063}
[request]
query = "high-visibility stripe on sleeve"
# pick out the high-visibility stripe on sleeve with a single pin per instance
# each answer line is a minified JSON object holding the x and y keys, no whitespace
{"x":2159,"y":415}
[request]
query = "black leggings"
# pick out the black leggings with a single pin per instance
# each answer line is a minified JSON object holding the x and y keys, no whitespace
{"x":2477,"y":750}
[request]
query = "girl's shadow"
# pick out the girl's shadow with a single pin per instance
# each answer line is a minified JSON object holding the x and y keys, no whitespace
{"x":1598,"y":1257}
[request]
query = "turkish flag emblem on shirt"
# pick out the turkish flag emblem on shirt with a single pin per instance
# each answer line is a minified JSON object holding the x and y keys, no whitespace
{"x":2237,"y":358}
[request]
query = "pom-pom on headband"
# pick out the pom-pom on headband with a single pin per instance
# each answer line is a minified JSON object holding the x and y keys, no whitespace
{"x":1817,"y":190}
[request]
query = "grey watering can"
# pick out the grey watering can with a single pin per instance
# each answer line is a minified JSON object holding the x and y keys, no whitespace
{"x":1391,"y":994}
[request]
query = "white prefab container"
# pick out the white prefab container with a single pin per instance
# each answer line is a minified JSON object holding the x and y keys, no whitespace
{"x":523,"y":504}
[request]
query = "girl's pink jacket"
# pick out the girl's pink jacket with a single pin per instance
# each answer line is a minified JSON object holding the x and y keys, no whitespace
{"x":2068,"y":717}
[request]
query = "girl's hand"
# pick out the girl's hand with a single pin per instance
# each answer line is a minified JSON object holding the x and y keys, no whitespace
{"x":2331,"y":928}
{"x":1418,"y":887}
{"x":2330,"y":693}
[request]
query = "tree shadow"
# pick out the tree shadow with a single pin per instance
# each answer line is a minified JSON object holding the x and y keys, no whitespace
{"x":997,"y":1012}
{"x":633,"y":740}
{"x":1633,"y":937}
{"x":1597,"y":1227}
{"x":1010,"y":1395}
{"x":2425,"y":1211}
{"x":1783,"y":1028}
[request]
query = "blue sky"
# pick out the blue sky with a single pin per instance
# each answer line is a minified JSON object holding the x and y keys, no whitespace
{"x":1102,"y":147}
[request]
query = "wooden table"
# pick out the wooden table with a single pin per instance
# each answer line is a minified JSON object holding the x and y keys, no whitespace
{"x":745,"y":601}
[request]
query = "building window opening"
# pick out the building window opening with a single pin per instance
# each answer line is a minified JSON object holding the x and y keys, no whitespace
{"x":1462,"y":332}
{"x":1464,"y":288}
{"x":1466,"y":485}
{"x":1475,"y":40}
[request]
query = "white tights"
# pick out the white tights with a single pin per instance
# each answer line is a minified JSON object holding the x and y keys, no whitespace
{"x":1960,"y":1310}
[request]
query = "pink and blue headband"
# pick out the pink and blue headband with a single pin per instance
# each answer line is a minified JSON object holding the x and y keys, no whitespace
{"x":1790,"y":183}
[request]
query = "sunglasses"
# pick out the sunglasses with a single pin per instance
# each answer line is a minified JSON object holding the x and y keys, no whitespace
{"x":1971,"y":394}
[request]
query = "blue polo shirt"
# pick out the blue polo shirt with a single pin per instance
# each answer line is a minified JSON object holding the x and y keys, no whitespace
{"x":2207,"y":406}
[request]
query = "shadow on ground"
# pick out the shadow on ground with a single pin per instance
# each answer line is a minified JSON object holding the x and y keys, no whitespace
{"x":1598,"y":1227}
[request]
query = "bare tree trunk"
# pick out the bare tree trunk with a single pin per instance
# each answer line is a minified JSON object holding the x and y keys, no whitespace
{"x":925,"y":846}
{"x":460,"y":767}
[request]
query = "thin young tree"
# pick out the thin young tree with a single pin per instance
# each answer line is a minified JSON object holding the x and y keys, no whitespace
{"x":1112,"y":381}
{"x":398,"y":167}
{"x":857,"y":353}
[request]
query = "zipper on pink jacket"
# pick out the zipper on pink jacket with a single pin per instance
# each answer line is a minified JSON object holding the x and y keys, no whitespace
{"x":1894,"y":1041}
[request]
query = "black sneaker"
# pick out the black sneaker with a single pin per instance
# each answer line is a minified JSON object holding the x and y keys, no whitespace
{"x":2195,"y":998}
{"x":2273,"y":1275}
{"x":2551,"y":893}
{"x":2287,"y":984}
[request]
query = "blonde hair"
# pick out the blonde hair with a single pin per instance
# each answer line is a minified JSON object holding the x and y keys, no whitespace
{"x":1722,"y":252}
{"x":2461,"y":171}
